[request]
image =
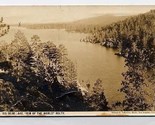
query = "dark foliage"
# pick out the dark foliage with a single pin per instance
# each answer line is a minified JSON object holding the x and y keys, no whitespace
{"x":40,"y":77}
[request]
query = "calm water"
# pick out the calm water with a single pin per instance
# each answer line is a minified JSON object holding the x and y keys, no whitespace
{"x":92,"y":61}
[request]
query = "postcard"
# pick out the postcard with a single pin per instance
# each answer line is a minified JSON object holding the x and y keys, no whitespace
{"x":90,"y":60}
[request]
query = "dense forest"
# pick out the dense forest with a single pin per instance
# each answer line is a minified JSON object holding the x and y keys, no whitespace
{"x":136,"y":28}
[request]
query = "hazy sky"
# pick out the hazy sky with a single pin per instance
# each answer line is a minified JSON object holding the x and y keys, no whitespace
{"x":47,"y":14}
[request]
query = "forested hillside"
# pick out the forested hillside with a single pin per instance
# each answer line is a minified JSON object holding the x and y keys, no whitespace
{"x":134,"y":38}
{"x":38,"y":76}
{"x":138,"y":29}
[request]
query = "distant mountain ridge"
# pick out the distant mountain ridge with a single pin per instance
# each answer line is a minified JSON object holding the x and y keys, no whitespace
{"x":83,"y":25}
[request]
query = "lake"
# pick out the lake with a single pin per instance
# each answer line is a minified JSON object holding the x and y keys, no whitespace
{"x":92,"y":61}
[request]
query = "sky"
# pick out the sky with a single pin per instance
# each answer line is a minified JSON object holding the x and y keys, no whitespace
{"x":54,"y":14}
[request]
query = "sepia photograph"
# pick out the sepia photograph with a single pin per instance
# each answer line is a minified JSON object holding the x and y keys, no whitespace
{"x":73,"y":60}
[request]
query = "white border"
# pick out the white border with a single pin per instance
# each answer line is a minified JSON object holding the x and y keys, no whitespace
{"x":75,"y":2}
{"x":84,"y":120}
{"x":78,"y":121}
